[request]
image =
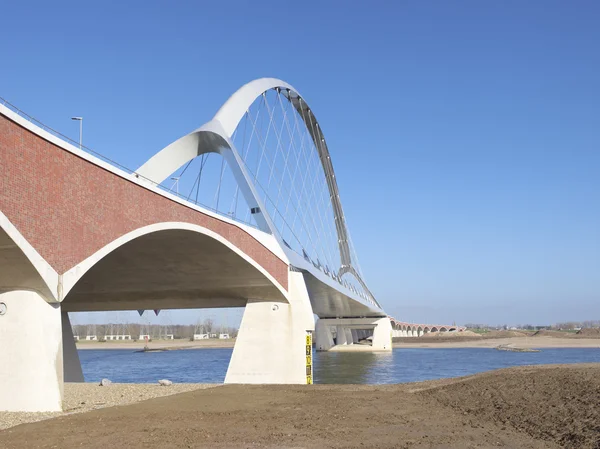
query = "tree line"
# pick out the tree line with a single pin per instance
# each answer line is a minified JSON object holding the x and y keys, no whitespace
{"x":568,"y":325}
{"x":156,"y":331}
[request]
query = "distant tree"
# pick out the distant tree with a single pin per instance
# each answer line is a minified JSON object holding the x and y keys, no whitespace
{"x":209,"y":325}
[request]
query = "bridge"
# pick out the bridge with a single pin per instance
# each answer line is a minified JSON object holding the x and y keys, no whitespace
{"x":404,"y":329}
{"x":243,"y":211}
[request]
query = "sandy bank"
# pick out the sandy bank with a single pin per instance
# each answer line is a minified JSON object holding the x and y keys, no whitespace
{"x":83,"y":397}
{"x":522,"y":342}
{"x":527,"y":407}
{"x":157,"y":344}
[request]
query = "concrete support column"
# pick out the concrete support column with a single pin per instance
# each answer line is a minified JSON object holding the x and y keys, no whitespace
{"x":323,"y":336}
{"x":271,"y":343}
{"x":31,"y":354}
{"x":71,"y":363}
{"x":341,"y":336}
{"x":349,"y":339}
{"x":382,"y":335}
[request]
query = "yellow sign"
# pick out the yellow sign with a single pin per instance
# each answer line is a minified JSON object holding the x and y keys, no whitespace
{"x":309,"y":368}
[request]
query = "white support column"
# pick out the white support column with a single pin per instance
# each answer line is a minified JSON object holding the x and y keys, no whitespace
{"x":271,"y":343}
{"x":349,"y":339}
{"x":323,"y":337}
{"x":382,"y":335}
{"x":72,"y":365}
{"x":31,"y":355}
{"x":340,"y":339}
{"x":352,"y":330}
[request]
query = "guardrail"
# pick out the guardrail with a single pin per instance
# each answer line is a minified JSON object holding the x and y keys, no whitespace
{"x":112,"y":162}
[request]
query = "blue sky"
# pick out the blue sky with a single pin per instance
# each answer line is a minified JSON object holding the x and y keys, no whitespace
{"x":465,"y":135}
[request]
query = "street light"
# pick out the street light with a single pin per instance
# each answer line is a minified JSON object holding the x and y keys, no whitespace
{"x":80,"y":120}
{"x":175,"y":180}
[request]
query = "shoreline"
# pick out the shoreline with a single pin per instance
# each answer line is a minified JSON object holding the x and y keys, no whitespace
{"x":521,"y":342}
{"x":538,"y":342}
{"x":157,"y":345}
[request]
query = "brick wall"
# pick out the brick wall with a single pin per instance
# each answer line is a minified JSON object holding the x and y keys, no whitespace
{"x":68,"y":208}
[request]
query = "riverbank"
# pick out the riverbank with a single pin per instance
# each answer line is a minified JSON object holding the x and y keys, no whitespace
{"x":527,"y":407}
{"x":85,"y":397}
{"x":168,"y":345}
{"x":482,"y":342}
{"x":415,"y":342}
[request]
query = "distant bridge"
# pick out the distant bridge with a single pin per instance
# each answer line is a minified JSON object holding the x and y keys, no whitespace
{"x":403,"y":329}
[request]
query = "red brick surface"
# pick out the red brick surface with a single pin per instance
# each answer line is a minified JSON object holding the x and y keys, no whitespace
{"x":68,"y":208}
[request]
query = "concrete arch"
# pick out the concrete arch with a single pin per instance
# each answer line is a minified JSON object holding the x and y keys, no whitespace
{"x":189,"y":265}
{"x":426,"y":329}
{"x":75,"y":273}
{"x":22,"y":267}
{"x":443,"y":329}
{"x":434,"y":329}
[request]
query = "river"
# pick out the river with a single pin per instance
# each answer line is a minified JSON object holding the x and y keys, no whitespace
{"x":400,"y":365}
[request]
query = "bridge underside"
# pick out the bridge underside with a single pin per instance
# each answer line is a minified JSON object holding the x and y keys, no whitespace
{"x":328,"y":302}
{"x":170,"y":269}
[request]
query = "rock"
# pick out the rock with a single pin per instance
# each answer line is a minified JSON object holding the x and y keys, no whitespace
{"x":105,"y":382}
{"x":513,"y":349}
{"x":165,"y":382}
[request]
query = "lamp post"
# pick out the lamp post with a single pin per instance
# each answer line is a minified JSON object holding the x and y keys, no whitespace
{"x":175,"y":180}
{"x":80,"y":120}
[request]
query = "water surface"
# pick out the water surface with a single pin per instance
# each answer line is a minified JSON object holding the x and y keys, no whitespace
{"x":400,"y":365}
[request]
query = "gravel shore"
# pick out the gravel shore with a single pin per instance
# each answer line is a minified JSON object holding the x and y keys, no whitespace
{"x":479,"y":342}
{"x":534,"y":407}
{"x":83,"y":397}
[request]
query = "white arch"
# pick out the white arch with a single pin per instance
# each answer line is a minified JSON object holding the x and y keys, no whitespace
{"x":233,"y":110}
{"x":71,"y":277}
{"x":48,"y":275}
{"x":215,"y":136}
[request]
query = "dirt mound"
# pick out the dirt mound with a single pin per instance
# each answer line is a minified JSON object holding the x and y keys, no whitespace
{"x":589,"y":332}
{"x":504,"y":334}
{"x":527,"y":407}
{"x":557,"y":334}
{"x":557,"y":403}
{"x":452,"y":334}
{"x":467,"y":333}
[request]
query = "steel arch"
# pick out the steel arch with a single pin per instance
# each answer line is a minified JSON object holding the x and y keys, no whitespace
{"x":216,"y":135}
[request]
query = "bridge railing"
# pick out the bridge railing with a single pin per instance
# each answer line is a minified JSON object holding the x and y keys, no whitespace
{"x":110,"y":161}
